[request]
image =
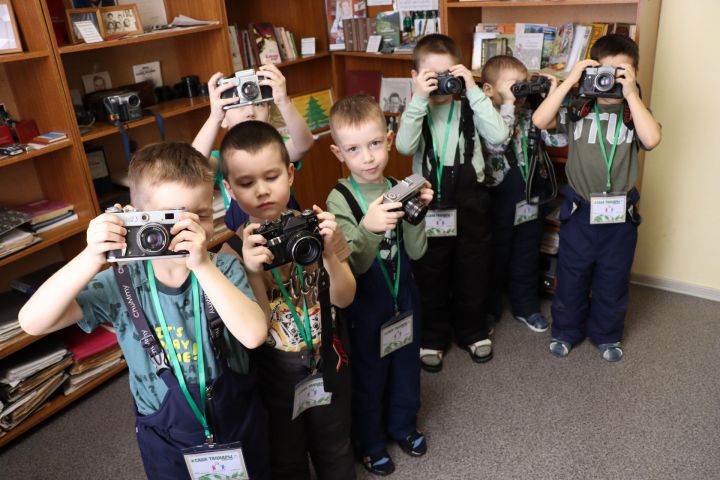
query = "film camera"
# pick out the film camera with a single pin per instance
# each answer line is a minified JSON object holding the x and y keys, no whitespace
{"x":537,"y":85}
{"x":448,"y":84}
{"x":407,"y":192}
{"x":247,"y":89}
{"x":292,"y":238}
{"x":148,"y":235}
{"x":600,"y":82}
{"x":123,"y":106}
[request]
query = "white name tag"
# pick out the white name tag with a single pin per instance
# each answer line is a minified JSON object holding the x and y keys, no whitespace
{"x":526,"y":212}
{"x":441,"y":223}
{"x":310,"y":393}
{"x":396,"y":333}
{"x":605,"y":209}
{"x":220,"y":461}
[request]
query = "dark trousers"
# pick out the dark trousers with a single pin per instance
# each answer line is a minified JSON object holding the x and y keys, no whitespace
{"x":516,"y":250}
{"x":593,"y":273}
{"x":453,"y":275}
{"x":323,"y":432}
{"x":386,"y":391}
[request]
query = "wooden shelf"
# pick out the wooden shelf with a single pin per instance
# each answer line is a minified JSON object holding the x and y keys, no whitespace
{"x":303,"y":59}
{"x":377,"y":56}
{"x":145,"y":37}
{"x":57,"y":402}
{"x":5,"y":161}
{"x":220,"y":238}
{"x":19,"y":57}
{"x":536,"y":3}
{"x":48,"y":238}
{"x":168,"y":109}
{"x":18,"y":343}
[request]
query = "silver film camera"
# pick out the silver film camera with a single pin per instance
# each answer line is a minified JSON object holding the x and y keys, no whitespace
{"x":600,"y":82}
{"x":148,"y":235}
{"x":247,"y":89}
{"x":407,"y":192}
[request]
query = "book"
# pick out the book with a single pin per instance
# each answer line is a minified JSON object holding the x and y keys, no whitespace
{"x":337,"y":11}
{"x":348,"y":35}
{"x":250,"y":55}
{"x":12,"y":394}
{"x":549,"y":34}
{"x":388,"y":26}
{"x":235,"y":48}
{"x":560,"y":51}
{"x":581,"y":40}
{"x":11,"y":416}
{"x":528,"y":49}
{"x":38,"y":226}
{"x":43,"y":210}
{"x":30,"y":282}
{"x":50,"y":137}
{"x":84,"y":345}
{"x":14,"y":240}
{"x":76,"y":382}
{"x":293,"y":44}
{"x":264,"y":43}
{"x":598,"y":30}
{"x":27,"y":362}
{"x":10,"y":304}
{"x":476,"y":62}
{"x":281,"y":43}
{"x":57,"y":223}
{"x":109,"y":355}
{"x":627,"y":29}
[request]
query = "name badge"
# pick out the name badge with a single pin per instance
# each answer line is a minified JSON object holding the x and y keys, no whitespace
{"x":526,"y":212}
{"x":396,"y":333}
{"x":607,"y":208}
{"x":441,"y":223}
{"x":310,"y":393}
{"x":218,"y":461}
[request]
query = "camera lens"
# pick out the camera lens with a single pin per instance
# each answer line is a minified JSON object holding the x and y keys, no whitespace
{"x":415,"y":210}
{"x":133,"y":100}
{"x":604,"y":81}
{"x":152,"y":238}
{"x":305,"y":248}
{"x":454,"y":85}
{"x":250,"y":90}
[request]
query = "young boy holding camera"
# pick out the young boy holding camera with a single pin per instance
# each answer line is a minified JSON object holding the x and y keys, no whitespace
{"x":517,"y":225}
{"x":297,"y":296}
{"x":385,"y":315}
{"x":442,"y":135}
{"x":599,"y":218}
{"x":228,"y":109}
{"x":177,"y":384}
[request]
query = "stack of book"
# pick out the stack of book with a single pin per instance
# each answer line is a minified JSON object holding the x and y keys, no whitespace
{"x":261,"y":43}
{"x":10,"y":304}
{"x":42,"y":141}
{"x":92,"y":355}
{"x":13,"y":238}
{"x":29,"y":377}
{"x":48,"y":214}
{"x":357,"y":32}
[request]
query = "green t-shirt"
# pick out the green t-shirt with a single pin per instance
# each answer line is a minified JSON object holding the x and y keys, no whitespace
{"x":101,"y":302}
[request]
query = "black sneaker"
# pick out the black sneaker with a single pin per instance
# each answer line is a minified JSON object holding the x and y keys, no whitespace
{"x":414,"y":444}
{"x":378,"y":464}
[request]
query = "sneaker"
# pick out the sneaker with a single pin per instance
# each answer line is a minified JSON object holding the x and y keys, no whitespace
{"x":431,"y":360}
{"x":378,"y":464}
{"x":612,"y":352}
{"x":414,"y":444}
{"x":535,"y":322}
{"x":559,"y":348}
{"x":480,"y":351}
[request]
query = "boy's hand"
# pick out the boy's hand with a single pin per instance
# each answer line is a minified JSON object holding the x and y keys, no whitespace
{"x":426,"y":194}
{"x":576,"y":72}
{"x":425,"y":82}
{"x":553,"y":82}
{"x":255,"y":253}
{"x":462,"y":71}
{"x":189,"y":235}
{"x":276,"y":80}
{"x":328,"y":227}
{"x":105,"y":232}
{"x":505,"y":91}
{"x":380,"y":218}
{"x":217,"y":103}
{"x":628,"y":80}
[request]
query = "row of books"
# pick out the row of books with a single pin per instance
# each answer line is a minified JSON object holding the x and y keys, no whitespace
{"x":261,"y":43}
{"x":19,"y":226}
{"x":357,"y":33}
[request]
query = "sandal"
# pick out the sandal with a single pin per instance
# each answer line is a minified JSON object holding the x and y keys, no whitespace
{"x":480,"y":351}
{"x":431,"y":360}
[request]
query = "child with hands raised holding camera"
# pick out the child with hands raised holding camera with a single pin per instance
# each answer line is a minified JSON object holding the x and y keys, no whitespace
{"x":190,"y":360}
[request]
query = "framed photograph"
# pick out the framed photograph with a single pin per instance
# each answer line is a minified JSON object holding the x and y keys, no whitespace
{"x":315,"y":108}
{"x":82,"y":14}
{"x":9,"y":35}
{"x":96,"y":81}
{"x":122,"y":20}
{"x":395,"y":94}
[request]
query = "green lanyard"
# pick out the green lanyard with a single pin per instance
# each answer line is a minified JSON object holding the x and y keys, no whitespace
{"x":440,"y":159}
{"x":394,"y":289}
{"x":525,"y":168}
{"x":609,"y":161}
{"x":303,"y":328}
{"x":200,"y":415}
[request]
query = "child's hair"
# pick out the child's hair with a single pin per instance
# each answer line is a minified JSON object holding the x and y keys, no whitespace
{"x":492,"y":68}
{"x":435,"y":43}
{"x":615,"y":44}
{"x":353,"y":111}
{"x":251,"y":137}
{"x":167,"y":162}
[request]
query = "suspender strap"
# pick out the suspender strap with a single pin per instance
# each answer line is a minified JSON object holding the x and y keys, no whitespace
{"x":330,"y":357}
{"x":467,"y":128}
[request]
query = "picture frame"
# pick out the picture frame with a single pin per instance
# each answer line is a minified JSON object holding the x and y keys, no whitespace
{"x":79,"y":14}
{"x":315,"y":107}
{"x":121,"y":20}
{"x":9,"y":34}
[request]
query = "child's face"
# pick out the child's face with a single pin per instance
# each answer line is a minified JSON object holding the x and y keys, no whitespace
{"x":394,"y":104}
{"x":506,"y":76}
{"x":438,"y":63}
{"x":257,"y":111}
{"x":614,"y":61}
{"x":260,"y":182}
{"x":364,"y":149}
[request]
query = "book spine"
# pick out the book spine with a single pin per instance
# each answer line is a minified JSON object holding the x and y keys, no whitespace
{"x":348,"y":34}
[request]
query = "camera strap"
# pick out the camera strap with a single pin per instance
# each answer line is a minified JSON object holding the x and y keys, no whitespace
{"x":303,"y":327}
{"x":124,"y":139}
{"x":159,"y":121}
{"x":439,"y":156}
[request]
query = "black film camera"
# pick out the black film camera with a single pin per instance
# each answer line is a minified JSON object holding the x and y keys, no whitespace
{"x":292,"y":238}
{"x":407,"y":192}
{"x":600,"y":82}
{"x":148,"y":235}
{"x":537,"y":85}
{"x":448,"y":84}
{"x":247,"y":89}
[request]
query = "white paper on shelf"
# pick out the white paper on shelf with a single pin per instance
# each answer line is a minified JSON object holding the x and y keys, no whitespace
{"x":185,"y":21}
{"x":152,"y":12}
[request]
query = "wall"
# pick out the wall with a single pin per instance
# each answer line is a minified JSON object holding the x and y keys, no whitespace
{"x":679,"y":240}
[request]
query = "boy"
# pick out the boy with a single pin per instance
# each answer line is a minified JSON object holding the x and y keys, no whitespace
{"x":386,"y":386}
{"x":517,"y":226}
{"x":302,"y":340}
{"x":299,"y":143}
{"x":596,"y":250}
{"x":442,"y":135}
{"x":173,"y":412}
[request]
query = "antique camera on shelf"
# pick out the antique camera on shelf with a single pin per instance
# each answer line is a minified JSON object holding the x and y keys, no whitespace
{"x":448,"y":84}
{"x":292,"y":238}
{"x":600,"y":82}
{"x":537,"y":85}
{"x":247,"y":89}
{"x":148,"y":235}
{"x":407,"y":192}
{"x":124,"y":106}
